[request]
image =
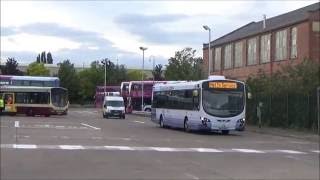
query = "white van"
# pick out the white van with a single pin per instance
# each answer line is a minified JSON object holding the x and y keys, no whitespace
{"x":113,"y":106}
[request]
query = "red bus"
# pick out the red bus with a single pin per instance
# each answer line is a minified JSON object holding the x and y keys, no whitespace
{"x":34,"y":100}
{"x":134,"y":98}
{"x":99,"y":95}
{"x":124,"y":92}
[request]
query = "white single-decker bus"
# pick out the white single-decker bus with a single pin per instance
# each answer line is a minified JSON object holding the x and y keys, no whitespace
{"x":214,"y":104}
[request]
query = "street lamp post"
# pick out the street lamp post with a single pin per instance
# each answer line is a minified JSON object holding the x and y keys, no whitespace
{"x":209,"y":50}
{"x":142,"y":49}
{"x":105,"y":77}
{"x":153,"y":64}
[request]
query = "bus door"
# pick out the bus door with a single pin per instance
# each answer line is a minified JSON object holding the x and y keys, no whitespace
{"x":9,"y":105}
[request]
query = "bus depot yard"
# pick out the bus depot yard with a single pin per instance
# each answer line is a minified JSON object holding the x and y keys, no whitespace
{"x":84,"y":145}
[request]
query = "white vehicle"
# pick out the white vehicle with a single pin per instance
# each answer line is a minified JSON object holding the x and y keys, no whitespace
{"x":113,"y":106}
{"x":215,"y":104}
{"x":147,"y":108}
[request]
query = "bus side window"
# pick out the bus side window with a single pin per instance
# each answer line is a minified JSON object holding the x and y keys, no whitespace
{"x":195,"y":99}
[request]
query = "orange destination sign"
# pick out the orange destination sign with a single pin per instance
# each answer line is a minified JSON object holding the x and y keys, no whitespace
{"x":223,"y":85}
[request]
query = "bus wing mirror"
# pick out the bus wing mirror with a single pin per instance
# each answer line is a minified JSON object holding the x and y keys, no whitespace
{"x":249,"y":95}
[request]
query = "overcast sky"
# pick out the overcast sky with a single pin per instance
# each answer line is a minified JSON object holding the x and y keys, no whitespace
{"x":83,"y":31}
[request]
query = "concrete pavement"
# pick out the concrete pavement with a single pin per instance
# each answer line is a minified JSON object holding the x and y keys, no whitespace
{"x":83,"y":145}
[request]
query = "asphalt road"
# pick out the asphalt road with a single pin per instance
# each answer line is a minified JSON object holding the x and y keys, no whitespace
{"x":83,"y":145}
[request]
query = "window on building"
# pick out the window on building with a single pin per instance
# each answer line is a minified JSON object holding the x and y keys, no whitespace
{"x":265,"y":48}
{"x":281,"y":45}
{"x":316,"y":26}
{"x":293,"y":43}
{"x":228,"y":56}
{"x":252,"y":51}
{"x":238,"y":54}
{"x":217,"y":59}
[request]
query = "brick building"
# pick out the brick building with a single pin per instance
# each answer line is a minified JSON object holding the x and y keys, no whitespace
{"x":285,"y":39}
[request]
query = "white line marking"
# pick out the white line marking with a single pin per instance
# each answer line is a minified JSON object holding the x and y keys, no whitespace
{"x":136,"y":148}
{"x":125,"y":148}
{"x":191,"y":176}
{"x":164,"y":149}
{"x":206,"y":150}
{"x":90,"y":126}
{"x":290,"y":151}
{"x":139,"y":122}
{"x":248,"y":150}
{"x":25,"y":146}
{"x":16,"y":124}
{"x":71,"y":147}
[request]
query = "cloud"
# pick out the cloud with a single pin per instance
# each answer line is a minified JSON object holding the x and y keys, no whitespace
{"x":87,"y":38}
{"x":152,"y":28}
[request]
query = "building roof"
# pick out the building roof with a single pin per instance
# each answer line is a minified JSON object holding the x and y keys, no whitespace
{"x":276,"y":22}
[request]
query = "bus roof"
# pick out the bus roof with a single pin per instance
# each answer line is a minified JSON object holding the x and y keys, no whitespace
{"x":35,"y":78}
{"x":28,"y":88}
{"x":185,"y":85}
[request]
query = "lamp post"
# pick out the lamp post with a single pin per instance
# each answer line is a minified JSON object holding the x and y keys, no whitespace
{"x":105,"y":77}
{"x":153,"y":64}
{"x":142,"y":49}
{"x":207,"y":28}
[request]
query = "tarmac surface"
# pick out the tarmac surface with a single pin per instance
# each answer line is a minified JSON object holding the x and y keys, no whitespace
{"x":83,"y":145}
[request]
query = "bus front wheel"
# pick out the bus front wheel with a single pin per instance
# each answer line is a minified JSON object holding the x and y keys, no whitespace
{"x":186,"y":125}
{"x":161,"y":122}
{"x":225,"y":132}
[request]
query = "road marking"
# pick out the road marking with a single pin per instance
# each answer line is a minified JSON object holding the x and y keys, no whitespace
{"x":90,"y":126}
{"x":191,"y":176}
{"x":248,"y":150}
{"x":139,"y":122}
{"x":290,"y":151}
{"x":165,"y":149}
{"x":206,"y":150}
{"x":25,"y":146}
{"x":316,"y":151}
{"x":125,"y":148}
{"x":157,"y":149}
{"x":71,"y":147}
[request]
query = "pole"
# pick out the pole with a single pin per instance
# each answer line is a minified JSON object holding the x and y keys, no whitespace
{"x":318,"y":105}
{"x":209,"y":51}
{"x":105,"y":78}
{"x":142,"y":80}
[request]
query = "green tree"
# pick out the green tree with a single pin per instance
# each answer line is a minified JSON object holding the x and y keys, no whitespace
{"x":11,"y":68}
{"x":37,"y":69}
{"x":69,"y":79}
{"x":43,"y":58}
{"x":184,"y":66}
{"x":38,"y":58}
{"x":135,"y":75}
{"x":157,"y":73}
{"x":89,"y":79}
{"x":49,"y":58}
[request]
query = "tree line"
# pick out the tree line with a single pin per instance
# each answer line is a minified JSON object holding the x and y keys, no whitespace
{"x":288,"y":97}
{"x":81,"y":84}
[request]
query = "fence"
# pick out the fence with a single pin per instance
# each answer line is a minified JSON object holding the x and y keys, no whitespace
{"x":290,"y":110}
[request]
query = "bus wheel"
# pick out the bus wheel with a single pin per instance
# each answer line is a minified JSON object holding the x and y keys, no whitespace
{"x":161,"y":122}
{"x":186,"y":125}
{"x":225,"y":132}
